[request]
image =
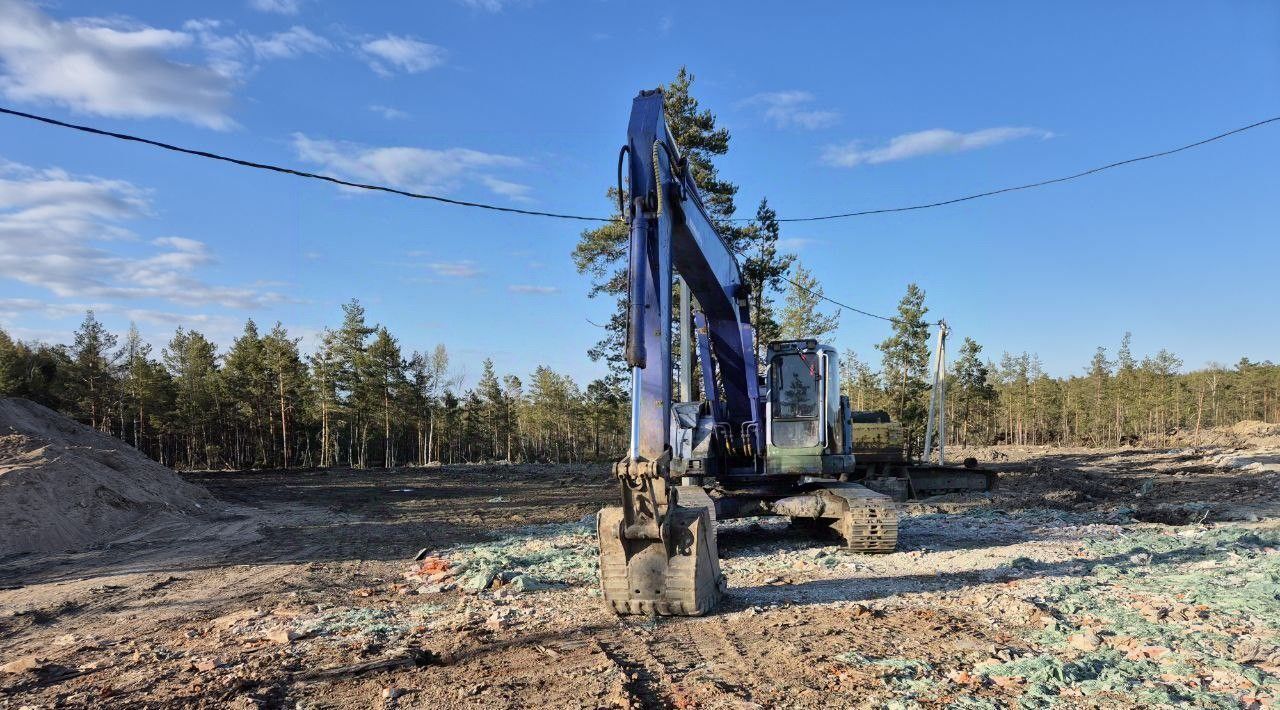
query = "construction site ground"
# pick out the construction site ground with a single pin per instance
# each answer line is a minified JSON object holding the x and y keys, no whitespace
{"x":1091,"y":578}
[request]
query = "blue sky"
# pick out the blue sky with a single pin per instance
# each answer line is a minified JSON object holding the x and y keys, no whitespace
{"x":843,"y":107}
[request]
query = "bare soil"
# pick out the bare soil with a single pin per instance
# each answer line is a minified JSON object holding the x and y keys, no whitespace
{"x":1112,"y":578}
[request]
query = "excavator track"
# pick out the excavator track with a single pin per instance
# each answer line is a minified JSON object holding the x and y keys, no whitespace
{"x":867,"y":520}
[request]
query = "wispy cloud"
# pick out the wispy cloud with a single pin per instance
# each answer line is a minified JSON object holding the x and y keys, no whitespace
{"x":792,"y":109}
{"x":54,"y":231}
{"x":420,"y":169}
{"x":914,"y":145}
{"x":107,"y":67}
{"x":293,"y":42}
{"x":392,"y":53}
{"x":486,"y":5}
{"x":796,"y":243}
{"x":525,"y":288}
{"x":464,"y":269}
{"x":389,"y":113}
{"x":514,"y":191}
{"x":279,"y":7}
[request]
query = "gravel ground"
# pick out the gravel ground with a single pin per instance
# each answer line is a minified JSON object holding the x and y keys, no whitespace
{"x":1090,"y":578}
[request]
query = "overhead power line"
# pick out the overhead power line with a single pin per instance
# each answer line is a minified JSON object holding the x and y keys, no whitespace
{"x":1041,"y":183}
{"x":844,"y":305}
{"x":291,"y":171}
{"x":584,"y":218}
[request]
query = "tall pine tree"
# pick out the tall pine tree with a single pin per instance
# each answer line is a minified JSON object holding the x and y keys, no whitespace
{"x":905,"y":366}
{"x":802,"y":316}
{"x":601,"y":253}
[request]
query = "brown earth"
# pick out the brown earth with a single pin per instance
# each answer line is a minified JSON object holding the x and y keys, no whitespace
{"x":1052,"y":591}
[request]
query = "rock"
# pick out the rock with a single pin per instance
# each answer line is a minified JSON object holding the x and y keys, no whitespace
{"x":283,"y":635}
{"x":204,"y":666}
{"x":525,"y":583}
{"x":1084,"y":641}
{"x":392,"y":693}
{"x":236,"y":618}
{"x":498,"y":620}
{"x":23,"y":665}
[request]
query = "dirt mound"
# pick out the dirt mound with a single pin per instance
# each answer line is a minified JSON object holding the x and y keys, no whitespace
{"x":65,"y":486}
{"x":1246,"y":434}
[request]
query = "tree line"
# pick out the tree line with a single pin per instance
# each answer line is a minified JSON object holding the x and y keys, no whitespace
{"x":358,"y":400}
{"x":1114,"y":400}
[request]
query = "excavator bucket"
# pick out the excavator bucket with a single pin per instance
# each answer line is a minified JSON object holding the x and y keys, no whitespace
{"x":678,"y":576}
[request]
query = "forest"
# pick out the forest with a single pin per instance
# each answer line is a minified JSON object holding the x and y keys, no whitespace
{"x":358,"y":400}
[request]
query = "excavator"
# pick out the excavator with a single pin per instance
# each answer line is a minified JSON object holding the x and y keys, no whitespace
{"x":781,"y":444}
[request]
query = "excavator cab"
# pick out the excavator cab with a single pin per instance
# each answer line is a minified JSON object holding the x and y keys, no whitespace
{"x":805,"y":416}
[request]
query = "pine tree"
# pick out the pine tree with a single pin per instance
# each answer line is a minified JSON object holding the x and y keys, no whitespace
{"x":325,"y":366}
{"x":763,"y":269}
{"x":286,"y":372}
{"x":146,"y":386}
{"x":601,"y":253}
{"x":1100,"y":377}
{"x":906,"y":362}
{"x":351,"y":342}
{"x":494,"y":419}
{"x":801,"y":317}
{"x":249,"y":394}
{"x":93,"y":365}
{"x":971,"y":392}
{"x":192,"y":361}
{"x":383,"y":386}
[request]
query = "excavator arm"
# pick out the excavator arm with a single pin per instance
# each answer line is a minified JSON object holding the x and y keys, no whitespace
{"x":657,"y":556}
{"x":670,"y":228}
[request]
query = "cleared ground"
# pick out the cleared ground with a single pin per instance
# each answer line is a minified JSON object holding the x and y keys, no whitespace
{"x":1115,"y":578}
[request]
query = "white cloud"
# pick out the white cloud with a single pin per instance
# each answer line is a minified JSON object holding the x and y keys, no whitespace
{"x":279,"y":7}
{"x":235,"y":55}
{"x":293,"y":42}
{"x":914,"y":145}
{"x":111,"y":68}
{"x":511,"y":190}
{"x":418,"y":169}
{"x":787,"y":109}
{"x":524,"y":288}
{"x":486,"y":5}
{"x":406,"y":54}
{"x":53,"y":227}
{"x":464,"y":269}
{"x":389,"y":113}
{"x":796,"y":243}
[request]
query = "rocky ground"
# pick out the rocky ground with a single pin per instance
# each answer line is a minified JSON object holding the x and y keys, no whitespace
{"x":1091,"y":578}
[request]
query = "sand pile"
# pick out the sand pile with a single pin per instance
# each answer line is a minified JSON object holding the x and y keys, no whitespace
{"x":64,"y":486}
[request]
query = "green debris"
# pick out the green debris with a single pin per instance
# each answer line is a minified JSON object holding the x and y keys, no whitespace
{"x":1226,"y":569}
{"x":910,"y":679}
{"x":536,"y":555}
{"x":1103,"y":671}
{"x":357,"y":621}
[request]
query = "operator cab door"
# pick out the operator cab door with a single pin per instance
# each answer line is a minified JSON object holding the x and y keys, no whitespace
{"x":797,"y":401}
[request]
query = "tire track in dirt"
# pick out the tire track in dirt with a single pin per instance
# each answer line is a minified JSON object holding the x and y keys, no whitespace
{"x":646,"y":677}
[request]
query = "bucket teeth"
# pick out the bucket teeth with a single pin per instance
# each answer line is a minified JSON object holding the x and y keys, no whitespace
{"x":677,"y":577}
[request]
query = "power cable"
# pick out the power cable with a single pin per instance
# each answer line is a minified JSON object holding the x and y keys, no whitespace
{"x":291,"y":171}
{"x":557,"y":215}
{"x":537,"y":213}
{"x":1028,"y":186}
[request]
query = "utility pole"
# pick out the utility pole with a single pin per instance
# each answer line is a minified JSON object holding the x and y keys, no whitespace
{"x":937,"y":398}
